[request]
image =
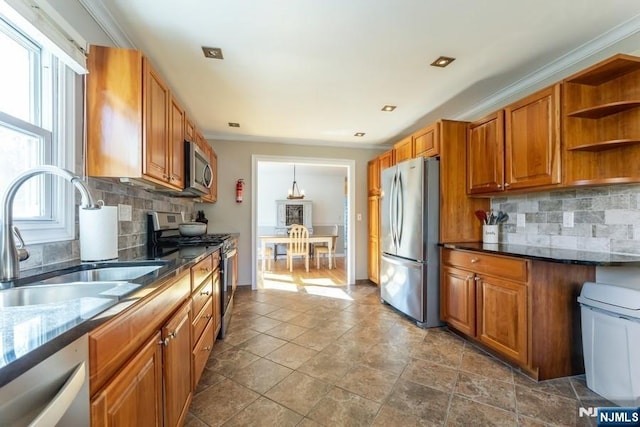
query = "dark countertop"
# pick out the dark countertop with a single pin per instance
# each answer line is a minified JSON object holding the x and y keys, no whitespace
{"x":22,"y":347}
{"x":564,"y":256}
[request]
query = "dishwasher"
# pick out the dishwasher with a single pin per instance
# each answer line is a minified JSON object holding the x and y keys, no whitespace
{"x":55,"y":392}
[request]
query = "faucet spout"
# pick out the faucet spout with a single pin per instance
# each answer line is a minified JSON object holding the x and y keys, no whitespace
{"x":9,"y":261}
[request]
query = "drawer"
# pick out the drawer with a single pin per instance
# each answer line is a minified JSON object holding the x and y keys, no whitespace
{"x":201,"y":352}
{"x":200,"y":297}
{"x":494,"y":265}
{"x":201,"y":271}
{"x":201,"y":319}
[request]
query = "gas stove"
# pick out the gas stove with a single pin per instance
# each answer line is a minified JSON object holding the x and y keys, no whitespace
{"x":164,"y":238}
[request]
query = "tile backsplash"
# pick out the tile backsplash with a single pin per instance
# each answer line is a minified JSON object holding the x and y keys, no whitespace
{"x":606,"y":219}
{"x":132,"y":235}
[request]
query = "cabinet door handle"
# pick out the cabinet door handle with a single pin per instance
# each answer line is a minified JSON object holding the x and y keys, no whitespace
{"x":205,"y":293}
{"x":207,"y":348}
{"x":205,"y":269}
{"x":506,"y":184}
{"x":164,"y":342}
{"x":499,"y":185}
{"x":474,"y":260}
{"x":208,"y":316}
{"x":470,"y":277}
{"x":477,"y":278}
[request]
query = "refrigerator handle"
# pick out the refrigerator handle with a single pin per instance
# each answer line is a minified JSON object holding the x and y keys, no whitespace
{"x":400,"y":213}
{"x":392,"y":205}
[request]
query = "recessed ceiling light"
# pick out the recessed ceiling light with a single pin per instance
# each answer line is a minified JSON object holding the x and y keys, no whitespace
{"x":212,"y":52}
{"x":234,"y":125}
{"x":388,"y":108}
{"x":359,"y":134}
{"x":443,"y":61}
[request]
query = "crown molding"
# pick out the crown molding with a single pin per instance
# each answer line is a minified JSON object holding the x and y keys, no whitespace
{"x":293,"y":141}
{"x":101,"y":14}
{"x":558,"y":68}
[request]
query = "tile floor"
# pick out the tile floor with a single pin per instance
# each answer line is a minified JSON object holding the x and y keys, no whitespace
{"x":344,"y":359}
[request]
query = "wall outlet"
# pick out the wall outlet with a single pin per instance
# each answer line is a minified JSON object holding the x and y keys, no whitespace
{"x":124,"y":212}
{"x":567,"y":219}
{"x":520,"y":220}
{"x":359,"y":217}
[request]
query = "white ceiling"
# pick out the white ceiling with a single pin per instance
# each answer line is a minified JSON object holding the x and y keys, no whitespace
{"x":317,"y":71}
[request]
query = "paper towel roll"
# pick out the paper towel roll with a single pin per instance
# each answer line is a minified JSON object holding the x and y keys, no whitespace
{"x":99,"y":233}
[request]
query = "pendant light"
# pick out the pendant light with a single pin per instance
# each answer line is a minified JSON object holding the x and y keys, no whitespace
{"x":294,"y":192}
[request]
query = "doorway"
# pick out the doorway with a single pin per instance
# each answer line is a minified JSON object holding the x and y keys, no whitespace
{"x":276,"y":185}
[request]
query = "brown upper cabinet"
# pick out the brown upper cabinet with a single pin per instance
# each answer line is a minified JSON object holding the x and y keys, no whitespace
{"x":423,"y":143}
{"x":532,"y":146}
{"x":403,"y":150}
{"x":132,"y":120}
{"x":189,"y":129}
{"x":601,"y":123}
{"x":426,"y":142}
{"x":485,"y":154}
{"x":530,"y":136}
{"x":386,"y":160}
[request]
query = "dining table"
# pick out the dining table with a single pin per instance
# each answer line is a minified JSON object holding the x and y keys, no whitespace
{"x":329,"y":239}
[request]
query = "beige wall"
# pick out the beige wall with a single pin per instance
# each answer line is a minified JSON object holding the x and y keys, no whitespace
{"x":234,"y":162}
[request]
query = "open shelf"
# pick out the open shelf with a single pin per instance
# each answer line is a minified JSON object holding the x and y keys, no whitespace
{"x":604,"y":145}
{"x":607,"y":70}
{"x":604,"y":110}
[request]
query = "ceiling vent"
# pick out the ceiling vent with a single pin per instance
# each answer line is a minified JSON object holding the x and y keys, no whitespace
{"x":212,"y":52}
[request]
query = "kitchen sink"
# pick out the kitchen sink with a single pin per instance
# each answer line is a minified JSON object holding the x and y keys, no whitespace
{"x":52,"y":294}
{"x":103,"y":274}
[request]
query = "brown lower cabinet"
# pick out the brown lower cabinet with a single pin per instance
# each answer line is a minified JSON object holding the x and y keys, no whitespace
{"x":524,"y":311}
{"x":146,"y":361}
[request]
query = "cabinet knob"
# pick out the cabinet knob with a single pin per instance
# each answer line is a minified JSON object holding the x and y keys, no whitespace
{"x":499,"y":185}
{"x":474,"y":260}
{"x":205,"y":269}
{"x":164,"y":342}
{"x":207,"y":348}
{"x":470,"y":277}
{"x":165,"y":176}
{"x":506,"y":184}
{"x":208,"y":316}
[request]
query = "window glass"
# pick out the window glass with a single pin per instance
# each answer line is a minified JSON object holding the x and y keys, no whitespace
{"x":36,"y":104}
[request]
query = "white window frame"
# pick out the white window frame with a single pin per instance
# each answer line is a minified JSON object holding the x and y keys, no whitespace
{"x":61,"y":198}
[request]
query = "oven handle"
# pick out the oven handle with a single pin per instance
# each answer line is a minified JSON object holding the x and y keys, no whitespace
{"x":229,"y":254}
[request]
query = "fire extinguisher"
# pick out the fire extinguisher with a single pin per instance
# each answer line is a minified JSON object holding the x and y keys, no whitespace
{"x":239,"y":188}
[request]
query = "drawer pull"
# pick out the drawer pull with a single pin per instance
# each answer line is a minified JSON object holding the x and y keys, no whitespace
{"x":474,"y":260}
{"x":205,"y":293}
{"x":207,"y":348}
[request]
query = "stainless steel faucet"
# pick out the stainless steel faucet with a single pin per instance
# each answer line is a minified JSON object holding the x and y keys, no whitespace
{"x":10,"y":254}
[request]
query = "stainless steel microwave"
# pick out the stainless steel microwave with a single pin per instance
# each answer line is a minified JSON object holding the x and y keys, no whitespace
{"x":198,"y":172}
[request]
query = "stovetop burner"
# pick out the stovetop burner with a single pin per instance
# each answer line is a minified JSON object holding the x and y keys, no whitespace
{"x":163,"y":236}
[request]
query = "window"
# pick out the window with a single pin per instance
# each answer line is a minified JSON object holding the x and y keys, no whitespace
{"x":37,"y":107}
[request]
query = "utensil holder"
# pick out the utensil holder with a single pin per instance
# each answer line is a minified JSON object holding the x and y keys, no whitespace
{"x":490,"y":233}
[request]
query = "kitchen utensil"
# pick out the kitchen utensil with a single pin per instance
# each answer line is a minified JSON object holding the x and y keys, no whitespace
{"x":192,"y":228}
{"x":502,"y":217}
{"x":482,"y":216}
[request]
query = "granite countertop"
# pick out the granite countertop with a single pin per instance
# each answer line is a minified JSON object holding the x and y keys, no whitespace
{"x":29,"y":334}
{"x":565,"y":256}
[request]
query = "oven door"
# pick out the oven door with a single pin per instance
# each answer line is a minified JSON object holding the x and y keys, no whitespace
{"x":229,"y":276}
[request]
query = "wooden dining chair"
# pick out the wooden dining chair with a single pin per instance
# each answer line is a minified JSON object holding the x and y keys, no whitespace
{"x":324,"y":250}
{"x":298,"y":245}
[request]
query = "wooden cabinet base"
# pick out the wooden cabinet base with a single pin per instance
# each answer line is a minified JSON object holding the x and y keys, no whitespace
{"x":133,"y":397}
{"x":526,"y":314}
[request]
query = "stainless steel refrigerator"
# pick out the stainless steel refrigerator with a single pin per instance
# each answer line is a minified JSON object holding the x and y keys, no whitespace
{"x":409,"y":224}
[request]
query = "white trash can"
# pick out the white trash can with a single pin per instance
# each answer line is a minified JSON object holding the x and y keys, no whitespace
{"x":611,"y":340}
